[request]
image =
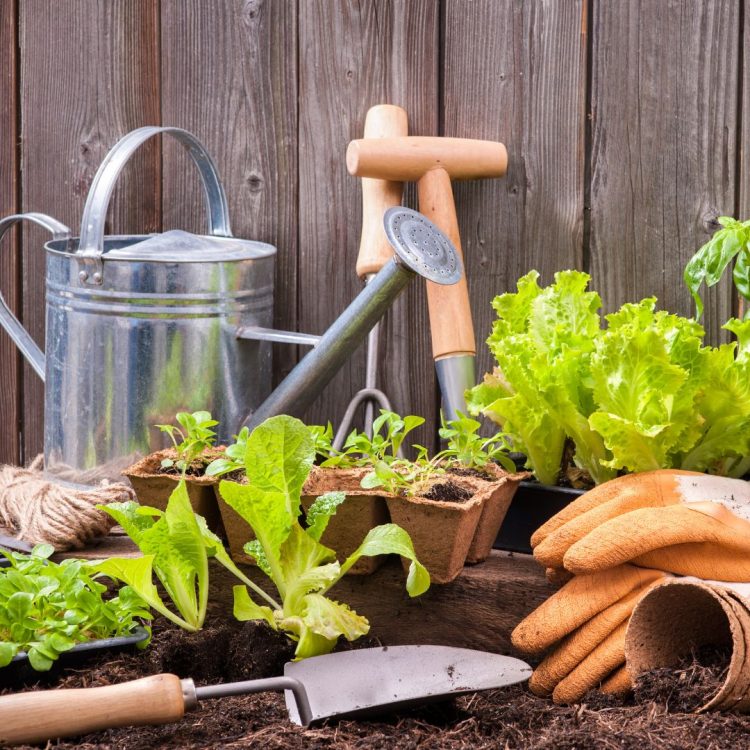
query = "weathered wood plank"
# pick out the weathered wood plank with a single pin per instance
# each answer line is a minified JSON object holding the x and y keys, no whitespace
{"x":515,"y":72}
{"x":479,"y":609}
{"x":229,"y":77}
{"x":10,"y":401}
{"x":354,"y":55}
{"x":743,"y":153}
{"x":663,"y":146}
{"x":89,"y":74}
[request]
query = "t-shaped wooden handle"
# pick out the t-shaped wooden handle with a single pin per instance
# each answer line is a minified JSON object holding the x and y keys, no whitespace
{"x":382,"y":121}
{"x":408,"y":158}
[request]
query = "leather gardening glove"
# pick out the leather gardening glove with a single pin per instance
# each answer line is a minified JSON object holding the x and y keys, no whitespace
{"x":585,"y":621}
{"x":683,"y":522}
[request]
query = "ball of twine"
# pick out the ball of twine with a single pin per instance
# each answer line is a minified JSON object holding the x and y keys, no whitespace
{"x":39,"y":510}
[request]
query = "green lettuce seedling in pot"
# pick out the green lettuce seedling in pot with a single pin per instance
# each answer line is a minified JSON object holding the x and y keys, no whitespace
{"x":279,"y":456}
{"x":190,"y":442}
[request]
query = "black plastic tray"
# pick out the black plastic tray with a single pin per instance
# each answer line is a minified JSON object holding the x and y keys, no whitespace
{"x":20,"y":672}
{"x":532,"y":505}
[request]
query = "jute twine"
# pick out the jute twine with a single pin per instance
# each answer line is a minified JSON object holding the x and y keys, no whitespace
{"x":36,"y":509}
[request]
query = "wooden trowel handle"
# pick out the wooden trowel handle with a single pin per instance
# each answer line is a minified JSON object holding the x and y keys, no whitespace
{"x":382,"y":121}
{"x":41,"y":715}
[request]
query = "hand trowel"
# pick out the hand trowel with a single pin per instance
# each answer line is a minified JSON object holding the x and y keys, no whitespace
{"x":351,"y":683}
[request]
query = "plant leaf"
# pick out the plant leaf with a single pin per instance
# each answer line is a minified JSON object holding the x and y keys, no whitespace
{"x":392,"y":539}
{"x":246,"y":609}
{"x":320,"y":512}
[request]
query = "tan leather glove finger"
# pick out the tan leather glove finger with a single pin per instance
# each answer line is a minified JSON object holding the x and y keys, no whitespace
{"x":577,"y":602}
{"x":633,"y":490}
{"x":608,"y":656}
{"x":700,"y":559}
{"x":633,"y":534}
{"x":618,"y":683}
{"x":573,"y":649}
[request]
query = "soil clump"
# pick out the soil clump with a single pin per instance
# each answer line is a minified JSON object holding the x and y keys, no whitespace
{"x":448,"y":492}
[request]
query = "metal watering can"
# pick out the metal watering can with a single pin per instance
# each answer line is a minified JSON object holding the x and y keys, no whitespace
{"x":139,"y":327}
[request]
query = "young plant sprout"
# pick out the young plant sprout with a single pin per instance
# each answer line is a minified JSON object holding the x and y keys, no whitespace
{"x":189,"y":444}
{"x":279,"y":456}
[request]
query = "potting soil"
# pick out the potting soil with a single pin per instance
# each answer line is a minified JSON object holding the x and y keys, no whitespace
{"x":509,"y":718}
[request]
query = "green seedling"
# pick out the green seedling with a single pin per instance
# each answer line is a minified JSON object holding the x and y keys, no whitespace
{"x":190,"y":442}
{"x":233,"y":458}
{"x":176,"y":546}
{"x":279,"y":457}
{"x":47,"y":608}
{"x":466,"y":448}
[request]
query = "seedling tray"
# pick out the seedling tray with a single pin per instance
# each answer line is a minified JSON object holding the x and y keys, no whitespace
{"x":19,"y":672}
{"x":532,"y":505}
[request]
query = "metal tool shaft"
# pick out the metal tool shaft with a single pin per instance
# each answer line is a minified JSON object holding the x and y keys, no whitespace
{"x":306,"y":381}
{"x":193,"y":694}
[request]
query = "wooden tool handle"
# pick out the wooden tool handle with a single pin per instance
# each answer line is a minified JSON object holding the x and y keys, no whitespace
{"x":382,"y":121}
{"x":43,"y":715}
{"x":409,"y":158}
{"x":450,"y":312}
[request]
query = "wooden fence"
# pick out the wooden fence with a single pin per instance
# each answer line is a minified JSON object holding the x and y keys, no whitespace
{"x":623,"y":121}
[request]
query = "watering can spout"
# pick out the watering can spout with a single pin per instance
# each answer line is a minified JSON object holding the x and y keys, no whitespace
{"x":19,"y":335}
{"x":420,"y":249}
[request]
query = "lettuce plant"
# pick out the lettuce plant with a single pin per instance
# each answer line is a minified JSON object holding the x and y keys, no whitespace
{"x":641,"y":393}
{"x":47,"y":608}
{"x":176,"y":545}
{"x":280,"y":453}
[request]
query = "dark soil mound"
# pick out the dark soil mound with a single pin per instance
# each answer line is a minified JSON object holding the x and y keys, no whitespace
{"x":448,"y":492}
{"x":688,"y":685}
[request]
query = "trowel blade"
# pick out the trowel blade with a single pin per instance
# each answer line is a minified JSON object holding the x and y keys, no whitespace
{"x":376,"y":680}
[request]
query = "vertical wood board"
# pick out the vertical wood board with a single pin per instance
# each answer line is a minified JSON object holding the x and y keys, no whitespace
{"x":663,"y":149}
{"x":354,"y":55}
{"x":515,"y":73}
{"x":229,"y":77}
{"x":89,"y":74}
{"x":10,"y":424}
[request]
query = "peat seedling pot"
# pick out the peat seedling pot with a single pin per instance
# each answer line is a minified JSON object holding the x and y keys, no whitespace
{"x":496,"y":496}
{"x":153,"y":487}
{"x":441,"y":531}
{"x":236,"y":529}
{"x":360,"y":512}
{"x":531,"y":506}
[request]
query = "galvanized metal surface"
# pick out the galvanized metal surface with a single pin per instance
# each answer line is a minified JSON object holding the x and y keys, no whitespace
{"x":19,"y":335}
{"x":455,"y":375}
{"x":135,"y":333}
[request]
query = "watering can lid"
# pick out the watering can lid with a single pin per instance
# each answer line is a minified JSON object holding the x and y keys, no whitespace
{"x":177,"y":246}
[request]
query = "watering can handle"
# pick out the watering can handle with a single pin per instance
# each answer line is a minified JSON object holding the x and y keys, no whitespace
{"x":10,"y":322}
{"x":91,"y":245}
